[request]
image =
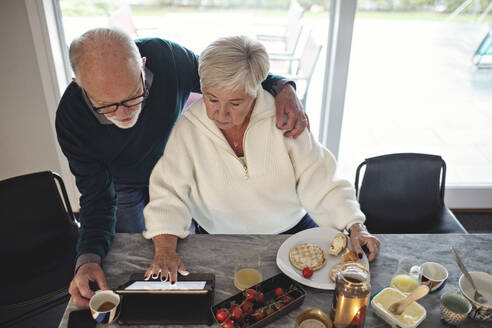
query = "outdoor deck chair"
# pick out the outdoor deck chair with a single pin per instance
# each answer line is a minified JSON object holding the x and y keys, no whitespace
{"x":37,"y":248}
{"x":482,"y":58}
{"x":122,"y":18}
{"x":303,"y":66}
{"x":285,"y":44}
{"x":404,"y":193}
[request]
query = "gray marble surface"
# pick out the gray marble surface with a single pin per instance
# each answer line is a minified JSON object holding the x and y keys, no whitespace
{"x":215,"y":253}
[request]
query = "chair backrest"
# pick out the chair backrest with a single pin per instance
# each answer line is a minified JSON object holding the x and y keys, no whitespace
{"x":38,"y":228}
{"x":401,"y":190}
{"x":122,"y":18}
{"x":307,"y":63}
{"x":294,"y":27}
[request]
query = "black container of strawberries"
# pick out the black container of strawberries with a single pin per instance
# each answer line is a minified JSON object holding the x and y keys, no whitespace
{"x":260,"y":304}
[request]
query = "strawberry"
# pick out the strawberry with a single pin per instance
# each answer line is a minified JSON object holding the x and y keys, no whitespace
{"x":307,"y":272}
{"x":227,"y":324}
{"x":279,"y":291}
{"x":222,"y":314}
{"x":236,"y":312}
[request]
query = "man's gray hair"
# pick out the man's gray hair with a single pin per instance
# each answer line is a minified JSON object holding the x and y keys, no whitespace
{"x":100,"y":37}
{"x":234,"y":63}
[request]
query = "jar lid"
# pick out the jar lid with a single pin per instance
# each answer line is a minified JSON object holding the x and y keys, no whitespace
{"x":355,"y":273}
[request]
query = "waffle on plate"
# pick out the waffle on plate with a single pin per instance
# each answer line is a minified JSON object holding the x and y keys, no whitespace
{"x":307,"y":255}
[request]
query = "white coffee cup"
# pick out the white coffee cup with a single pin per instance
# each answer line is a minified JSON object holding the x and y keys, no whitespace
{"x":105,"y":306}
{"x":434,"y":275}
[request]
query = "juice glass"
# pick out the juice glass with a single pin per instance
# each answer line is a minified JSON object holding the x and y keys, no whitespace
{"x":407,"y":276}
{"x":247,"y":270}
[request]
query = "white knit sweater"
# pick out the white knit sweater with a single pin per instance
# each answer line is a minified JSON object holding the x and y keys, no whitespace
{"x":199,"y":176}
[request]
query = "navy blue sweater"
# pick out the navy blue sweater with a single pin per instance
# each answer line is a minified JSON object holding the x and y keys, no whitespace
{"x":101,"y":154}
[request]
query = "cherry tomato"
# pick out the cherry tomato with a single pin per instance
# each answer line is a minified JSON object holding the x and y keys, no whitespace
{"x":247,"y":305}
{"x":228,"y":324}
{"x":260,"y":297}
{"x":279,"y":291}
{"x":278,"y":305}
{"x":236,"y":312}
{"x":250,"y":294}
{"x":286,"y":298}
{"x":307,"y":272}
{"x":258,"y":314}
{"x":222,"y":314}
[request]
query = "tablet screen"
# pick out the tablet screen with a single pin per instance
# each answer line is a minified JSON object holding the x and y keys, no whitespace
{"x":165,"y":285}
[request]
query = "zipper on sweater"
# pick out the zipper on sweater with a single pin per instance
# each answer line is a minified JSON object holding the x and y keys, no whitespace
{"x":245,"y":165}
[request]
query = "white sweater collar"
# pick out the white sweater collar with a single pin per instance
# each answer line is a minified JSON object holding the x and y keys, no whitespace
{"x":197,"y":115}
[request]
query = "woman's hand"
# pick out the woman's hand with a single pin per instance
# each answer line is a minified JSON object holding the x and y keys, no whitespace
{"x":166,"y":263}
{"x":360,"y":237}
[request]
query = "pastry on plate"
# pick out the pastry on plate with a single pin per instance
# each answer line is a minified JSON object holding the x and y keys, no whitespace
{"x":307,"y":256}
{"x":338,"y":244}
{"x":349,"y":256}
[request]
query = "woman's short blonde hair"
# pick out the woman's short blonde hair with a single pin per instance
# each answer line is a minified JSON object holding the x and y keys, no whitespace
{"x":234,"y":63}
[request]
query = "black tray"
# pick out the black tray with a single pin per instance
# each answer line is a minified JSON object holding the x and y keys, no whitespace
{"x":268,"y":286}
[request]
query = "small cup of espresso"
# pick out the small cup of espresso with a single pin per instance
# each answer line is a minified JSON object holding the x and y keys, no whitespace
{"x":105,"y":306}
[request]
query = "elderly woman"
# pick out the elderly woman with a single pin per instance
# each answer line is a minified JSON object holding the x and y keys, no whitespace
{"x":227,"y":166}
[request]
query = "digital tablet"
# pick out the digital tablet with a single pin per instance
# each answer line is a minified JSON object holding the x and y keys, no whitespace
{"x":198,"y":283}
{"x":157,"y":302}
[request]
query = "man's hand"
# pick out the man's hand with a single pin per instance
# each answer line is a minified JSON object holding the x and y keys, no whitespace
{"x":288,"y":106}
{"x":79,"y":287}
{"x":359,"y":238}
{"x":166,"y":263}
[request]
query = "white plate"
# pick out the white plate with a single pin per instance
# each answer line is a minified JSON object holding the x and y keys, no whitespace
{"x":322,"y":237}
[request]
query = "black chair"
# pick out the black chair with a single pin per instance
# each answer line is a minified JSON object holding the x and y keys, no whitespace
{"x":404,"y":193}
{"x":37,"y":247}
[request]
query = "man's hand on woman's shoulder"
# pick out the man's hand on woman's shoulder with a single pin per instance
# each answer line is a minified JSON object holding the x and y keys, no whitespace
{"x":289,"y":112}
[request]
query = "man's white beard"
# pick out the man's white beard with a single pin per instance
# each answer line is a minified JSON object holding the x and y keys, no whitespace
{"x":126,"y":125}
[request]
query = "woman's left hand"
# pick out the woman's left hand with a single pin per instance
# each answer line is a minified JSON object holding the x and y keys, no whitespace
{"x":288,"y":105}
{"x":361,"y":237}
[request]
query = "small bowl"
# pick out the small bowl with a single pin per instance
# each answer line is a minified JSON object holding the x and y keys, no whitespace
{"x":483,"y":281}
{"x":454,"y":308}
{"x":434,"y":275}
{"x":313,"y":318}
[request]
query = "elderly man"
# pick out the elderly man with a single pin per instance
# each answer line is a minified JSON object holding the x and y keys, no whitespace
{"x":113,"y":123}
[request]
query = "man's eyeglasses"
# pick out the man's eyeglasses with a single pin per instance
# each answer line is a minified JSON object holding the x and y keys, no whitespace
{"x":128,"y":103}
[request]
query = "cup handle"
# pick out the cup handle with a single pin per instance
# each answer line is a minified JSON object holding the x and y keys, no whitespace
{"x":416,"y":271}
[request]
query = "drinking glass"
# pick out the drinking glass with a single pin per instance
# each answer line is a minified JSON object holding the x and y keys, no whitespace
{"x":407,"y":276}
{"x":247,"y":270}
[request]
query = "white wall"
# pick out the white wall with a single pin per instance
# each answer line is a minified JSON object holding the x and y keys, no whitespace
{"x":27,"y":141}
{"x":27,"y":137}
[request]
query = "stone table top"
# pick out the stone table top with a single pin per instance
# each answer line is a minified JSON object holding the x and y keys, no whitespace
{"x":215,"y":253}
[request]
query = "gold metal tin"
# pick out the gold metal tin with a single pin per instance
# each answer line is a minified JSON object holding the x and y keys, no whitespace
{"x":313,"y":318}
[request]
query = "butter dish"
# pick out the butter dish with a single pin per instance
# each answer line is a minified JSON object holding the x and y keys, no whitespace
{"x":413,"y":315}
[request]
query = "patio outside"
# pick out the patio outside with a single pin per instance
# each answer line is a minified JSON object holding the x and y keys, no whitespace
{"x":412,"y":86}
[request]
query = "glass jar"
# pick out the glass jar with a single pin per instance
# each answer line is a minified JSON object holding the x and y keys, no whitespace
{"x":351,"y":296}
